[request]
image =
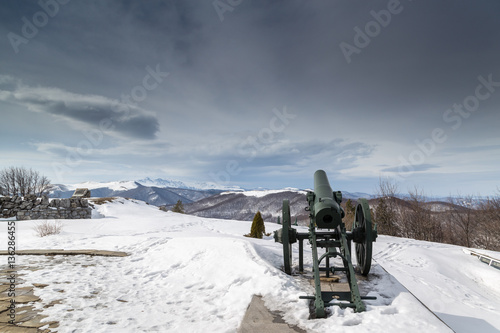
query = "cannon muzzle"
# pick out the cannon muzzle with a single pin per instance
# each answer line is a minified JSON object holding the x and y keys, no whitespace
{"x":327,"y":211}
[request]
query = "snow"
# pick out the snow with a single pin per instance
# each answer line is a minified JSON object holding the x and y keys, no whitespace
{"x":456,"y":286}
{"x":198,"y":275}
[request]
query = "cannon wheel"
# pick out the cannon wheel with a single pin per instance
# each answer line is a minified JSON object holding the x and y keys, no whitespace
{"x":363,"y":220}
{"x":287,"y":246}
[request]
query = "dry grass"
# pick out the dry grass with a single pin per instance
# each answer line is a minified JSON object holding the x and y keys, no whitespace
{"x":47,"y":228}
{"x":101,"y":201}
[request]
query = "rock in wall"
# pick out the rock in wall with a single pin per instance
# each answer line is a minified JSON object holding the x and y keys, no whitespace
{"x":33,"y":208}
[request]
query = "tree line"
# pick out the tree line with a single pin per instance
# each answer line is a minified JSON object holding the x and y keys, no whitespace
{"x":468,"y":221}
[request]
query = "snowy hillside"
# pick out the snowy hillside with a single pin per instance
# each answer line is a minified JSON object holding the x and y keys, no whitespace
{"x":244,"y":205}
{"x":192,"y":274}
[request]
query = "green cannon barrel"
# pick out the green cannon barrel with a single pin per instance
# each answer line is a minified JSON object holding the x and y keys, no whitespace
{"x":327,"y":212}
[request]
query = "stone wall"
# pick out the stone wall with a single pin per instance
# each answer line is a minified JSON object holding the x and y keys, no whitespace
{"x":33,"y":208}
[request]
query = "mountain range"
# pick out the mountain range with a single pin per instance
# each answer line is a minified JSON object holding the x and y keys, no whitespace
{"x":212,"y":201}
{"x":202,"y":199}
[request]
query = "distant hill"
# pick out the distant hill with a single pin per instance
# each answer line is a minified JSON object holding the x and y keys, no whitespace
{"x":244,"y":205}
{"x":433,"y":206}
{"x":239,"y":206}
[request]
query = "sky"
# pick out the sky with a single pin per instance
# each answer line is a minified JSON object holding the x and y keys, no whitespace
{"x":254,"y":93}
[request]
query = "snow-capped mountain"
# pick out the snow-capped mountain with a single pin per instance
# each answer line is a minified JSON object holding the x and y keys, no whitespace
{"x":159,"y":182}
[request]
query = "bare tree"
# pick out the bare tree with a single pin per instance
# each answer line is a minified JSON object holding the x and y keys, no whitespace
{"x":8,"y":181}
{"x":387,"y":211}
{"x":350,"y":210}
{"x":418,"y":222}
{"x":464,"y":219}
{"x":489,"y":231}
{"x":21,"y":181}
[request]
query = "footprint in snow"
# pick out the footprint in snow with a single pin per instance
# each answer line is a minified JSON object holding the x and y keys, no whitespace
{"x":389,"y":311}
{"x":352,"y":322}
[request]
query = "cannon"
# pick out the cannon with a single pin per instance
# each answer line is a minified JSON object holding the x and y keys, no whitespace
{"x":326,"y":213}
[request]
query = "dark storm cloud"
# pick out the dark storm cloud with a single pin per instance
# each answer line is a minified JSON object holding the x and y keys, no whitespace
{"x":123,"y":119}
{"x":95,"y":111}
{"x":413,"y":69}
{"x":289,"y":50}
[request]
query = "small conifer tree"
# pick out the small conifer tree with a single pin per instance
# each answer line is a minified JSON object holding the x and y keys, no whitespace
{"x":178,"y":207}
{"x":258,"y":229}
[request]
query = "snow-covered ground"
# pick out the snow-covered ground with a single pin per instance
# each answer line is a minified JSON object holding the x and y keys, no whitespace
{"x":461,"y":290}
{"x":192,"y":274}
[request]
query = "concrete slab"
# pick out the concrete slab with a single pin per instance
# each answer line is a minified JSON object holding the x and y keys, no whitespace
{"x":27,"y":318}
{"x":259,"y":319}
{"x":7,"y":328}
{"x":55,"y":252}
